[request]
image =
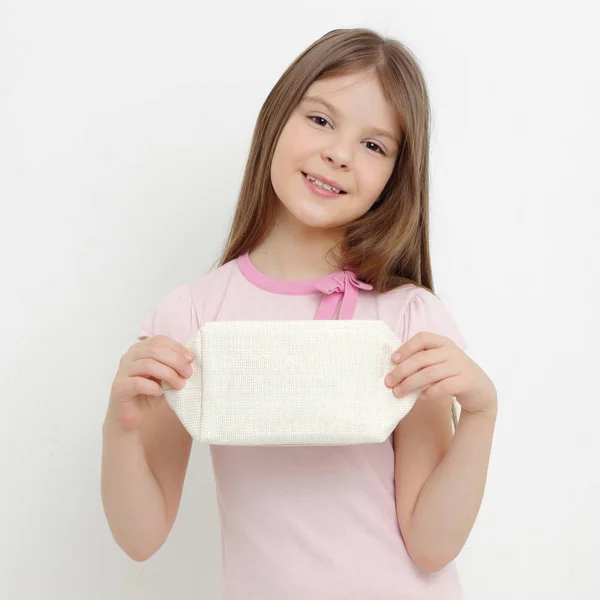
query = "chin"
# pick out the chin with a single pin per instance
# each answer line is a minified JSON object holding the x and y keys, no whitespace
{"x":321,"y":221}
{"x":315,"y":212}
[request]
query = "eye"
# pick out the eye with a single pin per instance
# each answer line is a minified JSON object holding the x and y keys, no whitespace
{"x":379,"y":148}
{"x":317,"y":117}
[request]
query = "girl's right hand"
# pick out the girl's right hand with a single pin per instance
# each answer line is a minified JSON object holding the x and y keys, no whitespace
{"x":137,"y":388}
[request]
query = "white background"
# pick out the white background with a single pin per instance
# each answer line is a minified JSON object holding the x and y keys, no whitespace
{"x":124,"y":129}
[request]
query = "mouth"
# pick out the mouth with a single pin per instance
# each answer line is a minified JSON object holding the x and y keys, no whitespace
{"x":340,"y":193}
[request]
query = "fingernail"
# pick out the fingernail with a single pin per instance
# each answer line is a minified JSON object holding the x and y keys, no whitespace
{"x":397,"y":356}
{"x":388,"y":380}
{"x":189,"y":355}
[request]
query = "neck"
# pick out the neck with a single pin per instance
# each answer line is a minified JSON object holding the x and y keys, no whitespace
{"x":296,"y":253}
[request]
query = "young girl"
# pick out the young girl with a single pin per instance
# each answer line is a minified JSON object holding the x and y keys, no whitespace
{"x":332,"y":222}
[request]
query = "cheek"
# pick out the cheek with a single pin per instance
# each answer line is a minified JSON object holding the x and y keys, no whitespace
{"x":285,"y":162}
{"x":291,"y":141}
{"x":369,"y":183}
{"x":285,"y":158}
{"x":370,"y":180}
{"x":378,"y":174}
{"x":281,"y":156}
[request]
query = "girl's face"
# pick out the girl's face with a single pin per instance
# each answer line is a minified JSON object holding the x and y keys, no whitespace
{"x":344,"y":142}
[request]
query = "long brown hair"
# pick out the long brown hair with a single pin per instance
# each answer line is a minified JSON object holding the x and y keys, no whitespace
{"x":389,"y":245}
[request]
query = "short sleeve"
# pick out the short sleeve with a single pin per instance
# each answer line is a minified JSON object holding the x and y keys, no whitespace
{"x":426,"y":312}
{"x":174,"y":317}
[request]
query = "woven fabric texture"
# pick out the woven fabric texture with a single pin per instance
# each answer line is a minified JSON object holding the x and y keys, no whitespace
{"x":290,"y":383}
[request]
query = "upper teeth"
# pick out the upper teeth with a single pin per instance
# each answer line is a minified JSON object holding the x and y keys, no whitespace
{"x":321,"y":184}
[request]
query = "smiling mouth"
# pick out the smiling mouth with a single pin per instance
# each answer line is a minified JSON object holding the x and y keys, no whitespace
{"x":340,"y":193}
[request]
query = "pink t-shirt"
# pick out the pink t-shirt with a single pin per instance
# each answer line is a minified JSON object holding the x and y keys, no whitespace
{"x":317,"y":522}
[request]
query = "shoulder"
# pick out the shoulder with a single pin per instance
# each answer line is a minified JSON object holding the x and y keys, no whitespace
{"x":182,"y":310}
{"x":411,"y":309}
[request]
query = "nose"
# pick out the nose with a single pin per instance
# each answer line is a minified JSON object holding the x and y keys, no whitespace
{"x":338,"y":155}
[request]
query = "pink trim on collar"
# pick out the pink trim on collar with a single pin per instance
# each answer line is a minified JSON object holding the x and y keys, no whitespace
{"x":342,"y":285}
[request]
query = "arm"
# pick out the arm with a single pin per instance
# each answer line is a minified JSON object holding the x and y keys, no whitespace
{"x":144,"y":466}
{"x":143,"y":472}
{"x":437,"y":520}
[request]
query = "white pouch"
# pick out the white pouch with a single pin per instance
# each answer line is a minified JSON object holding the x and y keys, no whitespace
{"x":290,"y":383}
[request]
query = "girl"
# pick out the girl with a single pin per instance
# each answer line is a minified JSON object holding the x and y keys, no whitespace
{"x":332,"y":222}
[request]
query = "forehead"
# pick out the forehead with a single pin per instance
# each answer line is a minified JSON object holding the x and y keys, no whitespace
{"x":357,"y":97}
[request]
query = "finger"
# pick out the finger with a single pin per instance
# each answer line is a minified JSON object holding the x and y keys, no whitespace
{"x":128,"y":387}
{"x":163,"y":340}
{"x":413,"y":364}
{"x":165,"y":353}
{"x":159,"y":372}
{"x":427,"y":376}
{"x":443,"y":389}
{"x":423,"y":340}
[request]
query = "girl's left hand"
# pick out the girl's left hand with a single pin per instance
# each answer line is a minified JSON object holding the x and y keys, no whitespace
{"x":441,"y":368}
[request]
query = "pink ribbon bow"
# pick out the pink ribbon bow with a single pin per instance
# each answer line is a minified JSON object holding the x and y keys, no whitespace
{"x":344,"y":284}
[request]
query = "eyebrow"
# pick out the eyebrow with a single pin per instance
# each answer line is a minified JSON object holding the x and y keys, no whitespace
{"x":334,"y":110}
